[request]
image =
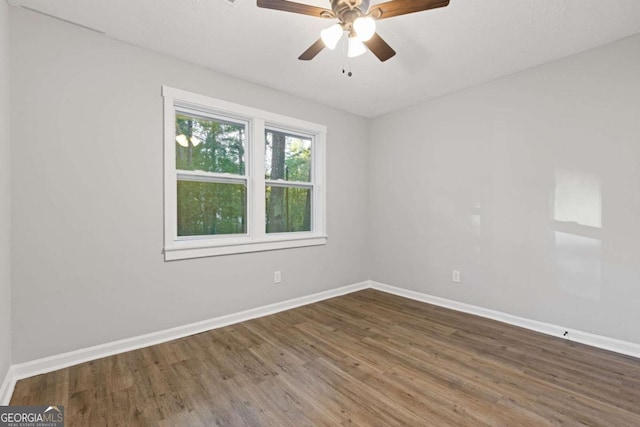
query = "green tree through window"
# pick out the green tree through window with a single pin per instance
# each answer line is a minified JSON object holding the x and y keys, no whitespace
{"x":209,"y":204}
{"x":239,"y":179}
{"x":288,"y":191}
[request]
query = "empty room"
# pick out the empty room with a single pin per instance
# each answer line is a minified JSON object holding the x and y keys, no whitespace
{"x":319,"y":213}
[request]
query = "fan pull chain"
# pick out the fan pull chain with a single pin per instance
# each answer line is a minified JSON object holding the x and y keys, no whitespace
{"x":346,"y":69}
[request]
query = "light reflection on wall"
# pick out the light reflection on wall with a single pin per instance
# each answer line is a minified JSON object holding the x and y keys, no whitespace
{"x":476,"y":227}
{"x":578,"y":222}
{"x":578,"y":198}
{"x":476,"y":220}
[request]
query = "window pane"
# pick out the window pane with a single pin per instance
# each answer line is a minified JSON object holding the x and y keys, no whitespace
{"x":206,"y":208}
{"x":288,"y":209}
{"x":210,"y":145}
{"x":287,"y":156}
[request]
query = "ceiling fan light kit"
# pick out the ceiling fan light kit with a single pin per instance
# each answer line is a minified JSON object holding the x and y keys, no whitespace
{"x":356,"y":47}
{"x":331,"y":36}
{"x":357,"y":19}
{"x":184,"y":142}
{"x":364,"y":27}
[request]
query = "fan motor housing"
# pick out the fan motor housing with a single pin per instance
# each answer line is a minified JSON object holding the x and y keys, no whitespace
{"x":347,"y":11}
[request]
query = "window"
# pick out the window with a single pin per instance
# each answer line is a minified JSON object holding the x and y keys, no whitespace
{"x":288,"y":181}
{"x":238,"y":179}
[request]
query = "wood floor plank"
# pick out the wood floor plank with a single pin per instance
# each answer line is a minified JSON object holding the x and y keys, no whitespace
{"x":367,"y":358}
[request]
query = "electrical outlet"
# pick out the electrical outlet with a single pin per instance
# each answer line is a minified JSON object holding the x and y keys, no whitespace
{"x":455,"y":276}
{"x":277,"y":277}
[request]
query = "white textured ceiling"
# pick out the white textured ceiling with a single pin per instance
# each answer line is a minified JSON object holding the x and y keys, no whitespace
{"x":438,"y":51}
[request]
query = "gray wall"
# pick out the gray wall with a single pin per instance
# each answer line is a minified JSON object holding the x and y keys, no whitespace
{"x":87,"y":196}
{"x":5,"y":191}
{"x":529,"y":185}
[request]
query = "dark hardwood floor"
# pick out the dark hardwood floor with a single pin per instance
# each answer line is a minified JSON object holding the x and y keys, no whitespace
{"x":367,"y":358}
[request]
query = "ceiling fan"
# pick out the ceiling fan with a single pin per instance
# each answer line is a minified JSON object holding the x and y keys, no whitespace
{"x":357,"y":19}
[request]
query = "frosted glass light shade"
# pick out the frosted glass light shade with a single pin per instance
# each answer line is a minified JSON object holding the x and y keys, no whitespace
{"x":182,"y":140}
{"x":195,"y":141}
{"x":365,"y":27}
{"x":356,"y":47}
{"x":331,"y":36}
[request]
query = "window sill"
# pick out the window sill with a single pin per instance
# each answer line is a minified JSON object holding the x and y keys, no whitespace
{"x":187,"y":249}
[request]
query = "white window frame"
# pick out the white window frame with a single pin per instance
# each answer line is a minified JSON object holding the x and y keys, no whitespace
{"x":256,"y":239}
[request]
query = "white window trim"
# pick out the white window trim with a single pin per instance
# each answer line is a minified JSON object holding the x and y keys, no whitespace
{"x":256,"y":239}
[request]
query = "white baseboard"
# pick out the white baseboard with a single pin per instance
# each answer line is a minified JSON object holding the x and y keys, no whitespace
{"x":6,"y":390}
{"x":52,"y":363}
{"x":606,"y":343}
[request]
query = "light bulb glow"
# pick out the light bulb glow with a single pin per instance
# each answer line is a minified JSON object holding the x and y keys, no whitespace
{"x":365,"y":27}
{"x":331,"y":36}
{"x":356,"y":47}
{"x":182,"y":140}
{"x":195,"y":141}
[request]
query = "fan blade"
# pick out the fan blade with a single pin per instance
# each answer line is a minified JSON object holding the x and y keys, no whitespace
{"x":379,"y":47}
{"x":289,"y":6}
{"x":403,"y":7}
{"x":312,"y":51}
